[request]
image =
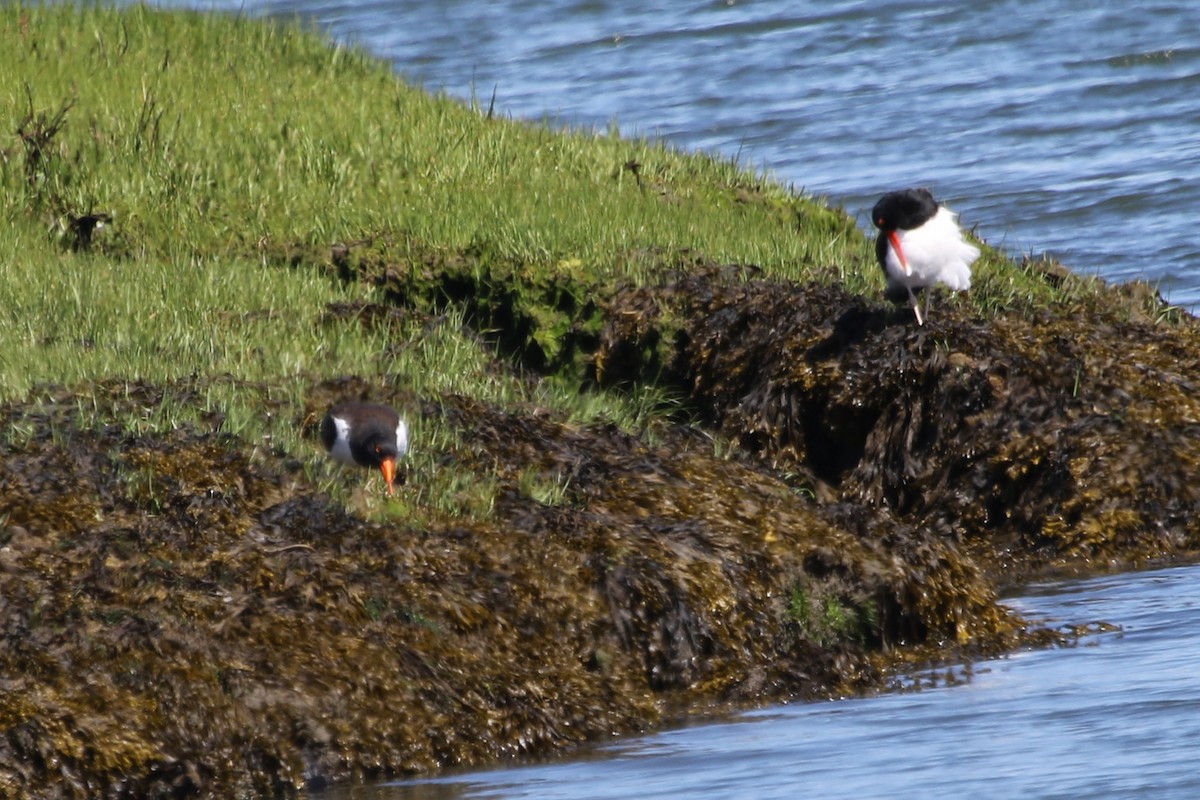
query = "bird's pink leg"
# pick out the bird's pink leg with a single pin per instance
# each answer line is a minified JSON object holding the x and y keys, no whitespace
{"x":916,"y":306}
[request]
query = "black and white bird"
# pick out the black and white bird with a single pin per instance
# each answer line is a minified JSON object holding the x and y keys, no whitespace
{"x":920,"y":244}
{"x":366,"y":435}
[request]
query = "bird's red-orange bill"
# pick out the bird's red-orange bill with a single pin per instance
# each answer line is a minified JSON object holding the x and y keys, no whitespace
{"x":895,"y":240}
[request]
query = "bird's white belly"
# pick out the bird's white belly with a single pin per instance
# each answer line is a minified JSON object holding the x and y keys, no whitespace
{"x":936,"y":252}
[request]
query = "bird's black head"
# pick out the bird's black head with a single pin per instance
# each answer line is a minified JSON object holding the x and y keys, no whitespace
{"x":904,"y":210}
{"x":380,"y":448}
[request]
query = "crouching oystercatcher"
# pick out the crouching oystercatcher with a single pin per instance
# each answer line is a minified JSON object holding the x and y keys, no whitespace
{"x":366,"y":435}
{"x":920,"y":244}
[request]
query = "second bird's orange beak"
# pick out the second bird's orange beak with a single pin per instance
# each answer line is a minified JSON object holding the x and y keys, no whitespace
{"x":388,"y":468}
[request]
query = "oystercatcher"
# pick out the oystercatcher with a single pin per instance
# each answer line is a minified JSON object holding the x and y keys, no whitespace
{"x":366,"y":435}
{"x":920,"y":244}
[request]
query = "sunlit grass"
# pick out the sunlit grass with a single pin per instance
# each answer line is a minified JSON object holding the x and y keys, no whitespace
{"x":66,"y":318}
{"x":219,"y":145}
{"x":211,"y":135}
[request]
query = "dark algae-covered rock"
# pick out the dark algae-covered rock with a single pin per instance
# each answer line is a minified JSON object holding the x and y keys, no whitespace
{"x":182,"y":619}
{"x":1066,"y":439}
{"x":842,"y":493}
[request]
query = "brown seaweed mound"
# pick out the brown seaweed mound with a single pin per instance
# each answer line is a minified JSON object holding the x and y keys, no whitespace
{"x":185,"y":615}
{"x":182,"y":619}
{"x":1068,"y":440}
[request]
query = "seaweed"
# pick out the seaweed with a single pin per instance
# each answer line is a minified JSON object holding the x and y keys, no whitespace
{"x":183,"y":619}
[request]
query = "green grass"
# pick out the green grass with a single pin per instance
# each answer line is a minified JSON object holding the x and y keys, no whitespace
{"x":221,"y":147}
{"x":822,"y":617}
{"x":215,"y":143}
{"x":208,"y":135}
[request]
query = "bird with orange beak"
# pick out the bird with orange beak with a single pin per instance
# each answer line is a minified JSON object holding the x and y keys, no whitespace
{"x":366,"y":435}
{"x":919,"y":245}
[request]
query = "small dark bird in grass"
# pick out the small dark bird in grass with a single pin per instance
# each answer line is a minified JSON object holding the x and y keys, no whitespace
{"x":920,"y":244}
{"x":366,"y":435}
{"x":82,"y":229}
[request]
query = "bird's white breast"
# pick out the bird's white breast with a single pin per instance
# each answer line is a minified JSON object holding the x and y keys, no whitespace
{"x":935,"y":252}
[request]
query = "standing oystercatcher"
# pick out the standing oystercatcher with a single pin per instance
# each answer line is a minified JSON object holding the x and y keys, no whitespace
{"x":920,"y":244}
{"x":367,"y":435}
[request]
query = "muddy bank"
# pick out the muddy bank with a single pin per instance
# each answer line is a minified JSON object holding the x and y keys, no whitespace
{"x":843,"y":492}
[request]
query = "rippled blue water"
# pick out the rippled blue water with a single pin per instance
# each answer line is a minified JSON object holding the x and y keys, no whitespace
{"x":1062,"y":126}
{"x":1116,"y":717}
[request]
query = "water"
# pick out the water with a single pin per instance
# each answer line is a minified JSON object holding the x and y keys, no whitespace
{"x":1116,"y":717}
{"x":1056,"y":126}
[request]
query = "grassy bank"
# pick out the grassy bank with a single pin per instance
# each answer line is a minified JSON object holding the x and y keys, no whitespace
{"x":233,"y":156}
{"x":227,"y":151}
{"x":671,"y":449}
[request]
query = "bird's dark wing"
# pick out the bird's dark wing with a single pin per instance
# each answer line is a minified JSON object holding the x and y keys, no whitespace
{"x":881,"y":248}
{"x":328,"y":432}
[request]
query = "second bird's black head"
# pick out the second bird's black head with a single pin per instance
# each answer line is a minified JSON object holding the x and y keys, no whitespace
{"x":904,"y":210}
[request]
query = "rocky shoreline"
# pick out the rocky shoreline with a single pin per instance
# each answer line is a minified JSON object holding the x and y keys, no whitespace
{"x":183,"y":619}
{"x":646,"y":484}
